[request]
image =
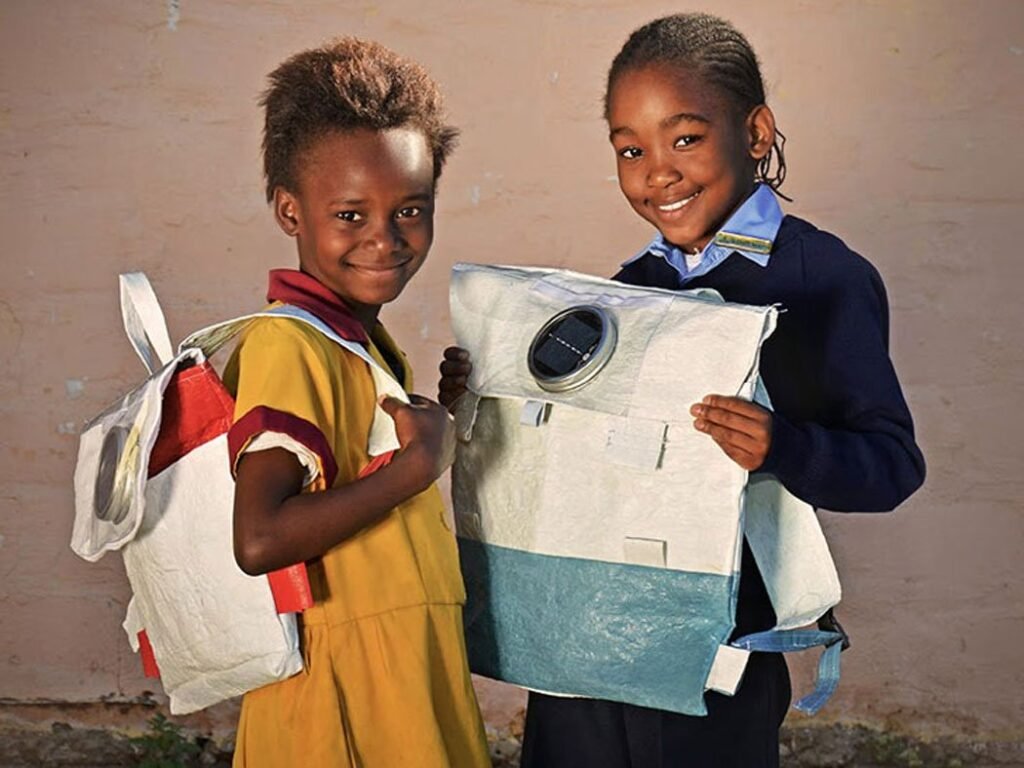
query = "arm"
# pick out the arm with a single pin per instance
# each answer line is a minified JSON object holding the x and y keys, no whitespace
{"x":275,"y":525}
{"x":860,"y":453}
{"x":853,"y":448}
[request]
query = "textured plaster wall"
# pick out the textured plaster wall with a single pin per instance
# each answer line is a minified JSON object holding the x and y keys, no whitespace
{"x":129,"y":139}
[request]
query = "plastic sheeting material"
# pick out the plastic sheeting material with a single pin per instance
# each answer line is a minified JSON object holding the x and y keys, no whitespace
{"x":600,"y":533}
{"x":214,"y":631}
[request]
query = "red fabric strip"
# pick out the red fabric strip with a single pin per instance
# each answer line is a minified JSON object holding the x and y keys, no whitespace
{"x":265,"y":419}
{"x":196,"y":409}
{"x":149,"y":667}
{"x":376,"y":463}
{"x":301,"y":290}
{"x":290,"y":587}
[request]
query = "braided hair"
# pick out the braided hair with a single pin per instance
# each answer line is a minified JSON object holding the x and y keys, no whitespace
{"x":717,"y":52}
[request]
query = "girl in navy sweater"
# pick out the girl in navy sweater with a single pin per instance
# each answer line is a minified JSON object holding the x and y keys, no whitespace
{"x":700,"y":158}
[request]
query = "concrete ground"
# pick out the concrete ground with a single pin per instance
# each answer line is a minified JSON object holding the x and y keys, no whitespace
{"x":111,"y":735}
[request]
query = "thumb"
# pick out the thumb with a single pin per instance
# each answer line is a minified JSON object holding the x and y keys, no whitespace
{"x":390,"y":405}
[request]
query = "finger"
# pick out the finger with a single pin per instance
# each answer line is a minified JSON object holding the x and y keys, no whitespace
{"x":390,"y":405}
{"x":448,"y":392}
{"x":455,"y":368}
{"x":456,"y":354}
{"x":736,"y":405}
{"x":420,"y":401}
{"x":729,"y":438}
{"x":755,"y":423}
{"x":449,"y":400}
{"x":452,"y":383}
{"x":718,"y":417}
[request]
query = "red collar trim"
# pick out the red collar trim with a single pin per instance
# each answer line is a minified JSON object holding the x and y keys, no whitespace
{"x":301,"y":290}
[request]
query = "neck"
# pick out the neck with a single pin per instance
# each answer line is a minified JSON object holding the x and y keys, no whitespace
{"x":366,"y":314}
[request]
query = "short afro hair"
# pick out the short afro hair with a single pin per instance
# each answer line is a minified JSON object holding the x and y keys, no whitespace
{"x":347,"y":84}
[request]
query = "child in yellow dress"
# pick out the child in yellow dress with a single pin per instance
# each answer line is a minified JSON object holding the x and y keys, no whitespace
{"x":353,"y":146}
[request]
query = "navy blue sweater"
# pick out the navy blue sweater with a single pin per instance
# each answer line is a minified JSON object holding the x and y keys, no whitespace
{"x":842,"y":435}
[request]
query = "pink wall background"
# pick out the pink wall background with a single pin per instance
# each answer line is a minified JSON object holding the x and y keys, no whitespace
{"x":129,"y":139}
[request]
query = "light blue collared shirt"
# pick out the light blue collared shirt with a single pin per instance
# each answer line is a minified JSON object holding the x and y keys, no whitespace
{"x":750,"y":232}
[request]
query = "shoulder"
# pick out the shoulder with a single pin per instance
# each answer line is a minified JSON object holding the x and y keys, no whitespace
{"x":824,"y":260}
{"x":286,"y":340}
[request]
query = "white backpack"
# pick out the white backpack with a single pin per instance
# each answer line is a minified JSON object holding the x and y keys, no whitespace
{"x":153,"y":480}
{"x":601,"y":534}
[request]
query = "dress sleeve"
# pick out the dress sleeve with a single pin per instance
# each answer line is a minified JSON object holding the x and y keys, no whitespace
{"x":860,"y":455}
{"x":285,"y":392}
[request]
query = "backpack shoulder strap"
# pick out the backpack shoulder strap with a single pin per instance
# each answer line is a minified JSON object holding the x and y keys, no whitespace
{"x":382,"y":432}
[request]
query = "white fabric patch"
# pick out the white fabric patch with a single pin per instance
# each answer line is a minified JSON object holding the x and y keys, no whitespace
{"x":651,"y":552}
{"x":310,"y":461}
{"x":727,"y":670}
{"x":534,"y":413}
{"x":636,"y":443}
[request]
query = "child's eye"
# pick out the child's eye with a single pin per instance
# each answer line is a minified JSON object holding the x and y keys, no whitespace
{"x":686,"y":141}
{"x":349,"y":215}
{"x":410,"y":213}
{"x":631,"y":153}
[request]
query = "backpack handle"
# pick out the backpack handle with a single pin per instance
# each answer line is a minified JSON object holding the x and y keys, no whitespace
{"x":144,"y":321}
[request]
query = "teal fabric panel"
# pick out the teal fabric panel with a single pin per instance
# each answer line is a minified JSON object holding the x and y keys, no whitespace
{"x":629,"y":633}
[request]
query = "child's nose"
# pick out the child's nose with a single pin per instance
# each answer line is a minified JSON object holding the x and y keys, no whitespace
{"x":661,"y":171}
{"x":663,"y":175}
{"x":386,"y":237}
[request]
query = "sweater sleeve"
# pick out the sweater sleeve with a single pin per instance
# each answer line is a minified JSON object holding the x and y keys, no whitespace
{"x":860,"y":453}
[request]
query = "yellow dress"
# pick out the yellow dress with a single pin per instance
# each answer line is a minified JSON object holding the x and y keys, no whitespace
{"x":386,"y":682}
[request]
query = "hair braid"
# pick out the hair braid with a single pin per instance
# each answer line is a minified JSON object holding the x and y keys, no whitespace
{"x":719,"y":53}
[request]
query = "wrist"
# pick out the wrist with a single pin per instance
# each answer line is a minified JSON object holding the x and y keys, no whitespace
{"x":414,"y":469}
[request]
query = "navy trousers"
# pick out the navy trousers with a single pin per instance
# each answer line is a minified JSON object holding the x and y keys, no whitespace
{"x":740,"y":731}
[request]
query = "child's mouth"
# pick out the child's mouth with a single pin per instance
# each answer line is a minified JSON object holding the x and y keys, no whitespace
{"x":381,"y":268}
{"x":678,"y":204}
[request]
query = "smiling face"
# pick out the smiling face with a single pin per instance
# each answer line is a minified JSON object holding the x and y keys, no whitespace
{"x":686,"y":159}
{"x":363,"y":214}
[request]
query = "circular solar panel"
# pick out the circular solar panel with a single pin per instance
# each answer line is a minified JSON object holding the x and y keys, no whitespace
{"x":571,"y":348}
{"x":111,"y":499}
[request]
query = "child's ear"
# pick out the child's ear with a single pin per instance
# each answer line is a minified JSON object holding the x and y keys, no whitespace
{"x":761,"y":131}
{"x":286,"y":211}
